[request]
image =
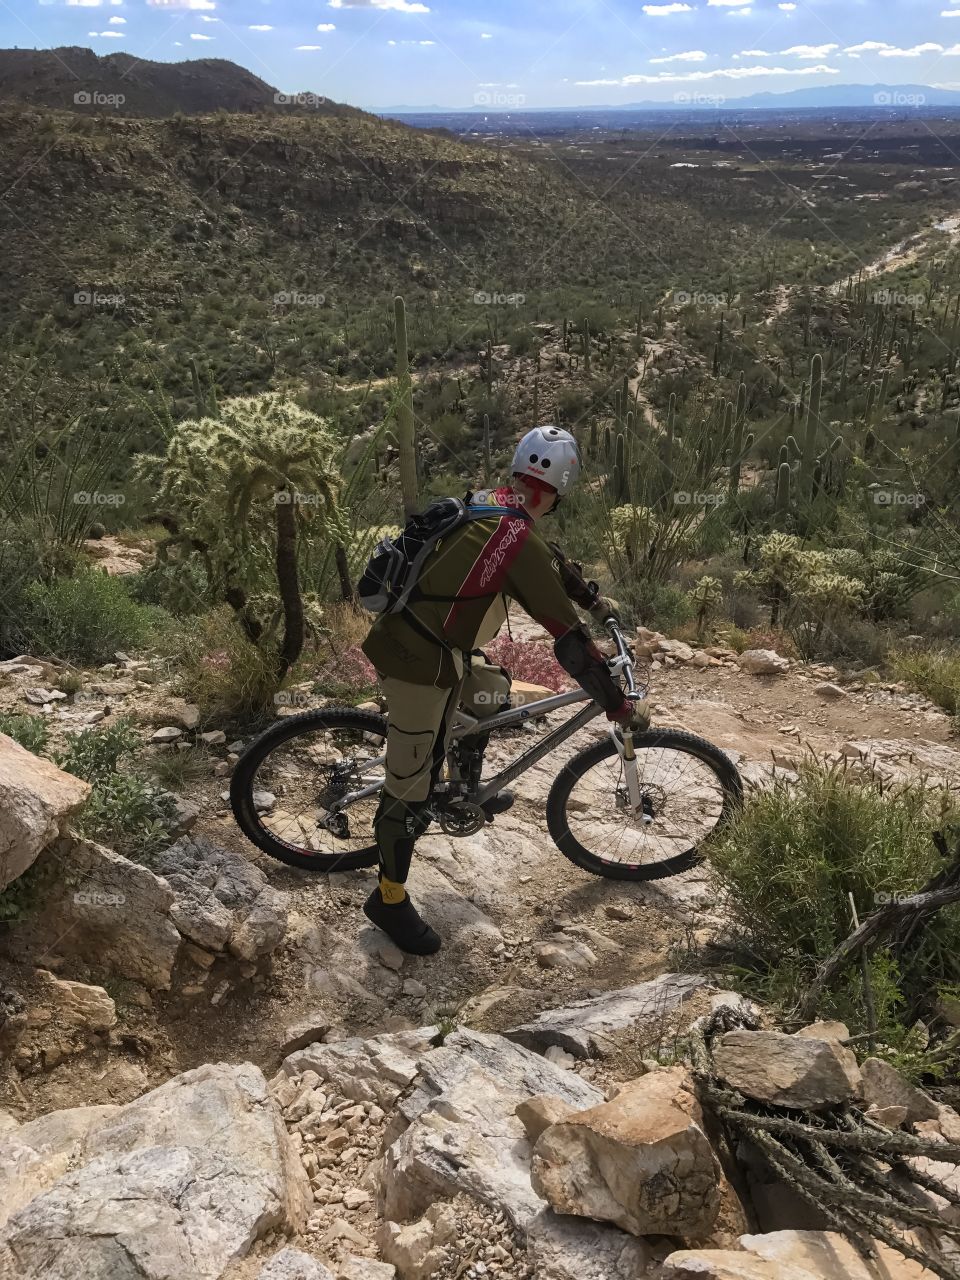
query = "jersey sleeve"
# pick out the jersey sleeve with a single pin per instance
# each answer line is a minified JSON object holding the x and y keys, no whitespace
{"x":533,"y":581}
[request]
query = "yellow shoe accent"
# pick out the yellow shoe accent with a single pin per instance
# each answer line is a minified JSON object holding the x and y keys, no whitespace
{"x":391,"y":892}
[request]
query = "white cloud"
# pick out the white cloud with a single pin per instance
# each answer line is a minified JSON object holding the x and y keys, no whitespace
{"x":867,"y":46}
{"x":753,"y":53}
{"x":664,"y":10}
{"x":181,"y":4}
{"x":692,"y":55}
{"x":809,"y":50}
{"x":84,"y":4}
{"x":326,"y":26}
{"x":204,"y":17}
{"x":787,"y":7}
{"x":952,"y":52}
{"x":105,"y":35}
{"x":950,"y":13}
{"x":396,"y":42}
{"x":915,"y":52}
{"x":721,"y":73}
{"x":485,"y":35}
{"x":117,"y":22}
{"x":260,"y":26}
{"x":308,"y":48}
{"x":740,"y":13}
{"x":724,"y":4}
{"x":399,"y":6}
{"x":195,"y":35}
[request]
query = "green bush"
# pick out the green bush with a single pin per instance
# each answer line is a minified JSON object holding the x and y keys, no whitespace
{"x":84,"y":619}
{"x":32,"y":732}
{"x":786,"y":869}
{"x":934,"y":672}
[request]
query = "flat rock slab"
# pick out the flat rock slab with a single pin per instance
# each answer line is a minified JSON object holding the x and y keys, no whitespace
{"x":178,"y":1183}
{"x":584,"y":1028}
{"x":462,"y":1132}
{"x":36,"y":798}
{"x":562,"y":1248}
{"x":375,"y":1070}
{"x":790,"y":1255}
{"x":294,"y":1264}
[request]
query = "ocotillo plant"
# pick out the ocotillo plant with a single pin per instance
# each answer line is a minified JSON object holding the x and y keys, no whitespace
{"x":586,"y":348}
{"x":406,"y":435}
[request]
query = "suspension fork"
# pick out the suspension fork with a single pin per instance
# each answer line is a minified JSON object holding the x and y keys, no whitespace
{"x":623,"y":741}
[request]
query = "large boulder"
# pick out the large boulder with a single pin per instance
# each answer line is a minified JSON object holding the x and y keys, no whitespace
{"x":763,"y":662}
{"x":790,"y":1255}
{"x":572,"y":1249}
{"x":102,"y":908}
{"x":585,"y":1026}
{"x":884,"y":1087}
{"x":641,"y":1161}
{"x":36,"y":799}
{"x":463,"y":1134}
{"x":788,"y":1071}
{"x":180,"y":1182}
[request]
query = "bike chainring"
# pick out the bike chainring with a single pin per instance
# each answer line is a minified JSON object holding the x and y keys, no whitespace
{"x":460,"y":818}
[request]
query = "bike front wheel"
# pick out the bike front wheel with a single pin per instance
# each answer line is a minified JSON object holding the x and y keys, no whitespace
{"x":688,"y":790}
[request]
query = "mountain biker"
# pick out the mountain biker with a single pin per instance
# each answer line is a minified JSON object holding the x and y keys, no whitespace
{"x":428,"y":662}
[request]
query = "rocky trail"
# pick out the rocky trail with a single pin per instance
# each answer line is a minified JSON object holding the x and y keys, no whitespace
{"x":399,"y":1078}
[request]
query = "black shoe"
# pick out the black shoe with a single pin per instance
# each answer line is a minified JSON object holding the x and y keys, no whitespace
{"x":499,"y":803}
{"x":402,"y":923}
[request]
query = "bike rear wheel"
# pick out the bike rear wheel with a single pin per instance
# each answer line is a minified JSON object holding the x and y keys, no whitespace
{"x":689,"y":789}
{"x":286,"y":780}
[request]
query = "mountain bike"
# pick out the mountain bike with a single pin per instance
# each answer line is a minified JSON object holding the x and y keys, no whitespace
{"x":630,"y":806}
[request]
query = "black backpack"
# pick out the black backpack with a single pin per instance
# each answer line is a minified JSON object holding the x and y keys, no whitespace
{"x":394,"y":569}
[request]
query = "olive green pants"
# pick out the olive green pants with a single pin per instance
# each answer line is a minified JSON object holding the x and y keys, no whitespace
{"x":420,"y":721}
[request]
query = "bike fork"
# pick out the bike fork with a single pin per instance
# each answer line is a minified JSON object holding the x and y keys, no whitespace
{"x":625,"y":749}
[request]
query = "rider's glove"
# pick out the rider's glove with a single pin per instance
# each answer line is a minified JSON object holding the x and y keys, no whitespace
{"x":603,"y":607}
{"x":633,"y":715}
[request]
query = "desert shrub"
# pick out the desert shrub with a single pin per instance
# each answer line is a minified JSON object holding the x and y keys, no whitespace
{"x":32,"y":732}
{"x":349,"y":676}
{"x":84,"y":619}
{"x":124,"y":810}
{"x":227,"y":677}
{"x":934,"y":672}
{"x":528,"y":660}
{"x":786,"y":867}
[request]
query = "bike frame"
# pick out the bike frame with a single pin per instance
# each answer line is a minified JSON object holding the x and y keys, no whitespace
{"x":465,"y":725}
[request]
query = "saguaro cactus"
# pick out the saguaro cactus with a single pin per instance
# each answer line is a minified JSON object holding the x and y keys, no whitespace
{"x":406,"y":434}
{"x":809,"y":458}
{"x":621,"y":472}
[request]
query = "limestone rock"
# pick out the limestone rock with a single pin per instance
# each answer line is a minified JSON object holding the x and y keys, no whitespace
{"x":75,"y":1006}
{"x":375,"y":1070}
{"x":641,"y":1161}
{"x":522,"y":693}
{"x":179,"y":1182}
{"x":789,"y":1071}
{"x":365,"y":1269}
{"x":573,"y":1249}
{"x":34,"y":1155}
{"x":824,"y":1031}
{"x":111,"y":912}
{"x":583,"y":1027}
{"x":829,"y":692}
{"x":763,"y":662}
{"x":36,"y":799}
{"x":415,"y":1249}
{"x":537,"y":1114}
{"x":564,"y":953}
{"x":305,"y":1032}
{"x":790,"y":1255}
{"x":676,"y":649}
{"x":294,"y":1264}
{"x":883,"y":1086}
{"x":169,"y":733}
{"x":463,"y":1134}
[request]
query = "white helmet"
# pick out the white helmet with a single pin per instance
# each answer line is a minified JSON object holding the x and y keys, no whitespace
{"x":549,"y":454}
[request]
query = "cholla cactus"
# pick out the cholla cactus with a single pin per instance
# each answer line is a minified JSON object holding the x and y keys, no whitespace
{"x":707,"y":597}
{"x":634,"y":528}
{"x":239,"y":489}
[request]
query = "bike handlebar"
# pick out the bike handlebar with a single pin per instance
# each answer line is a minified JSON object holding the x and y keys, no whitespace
{"x":632,"y":693}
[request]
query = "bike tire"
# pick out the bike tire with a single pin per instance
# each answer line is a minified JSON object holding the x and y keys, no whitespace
{"x":242,"y":788}
{"x":672,"y":739}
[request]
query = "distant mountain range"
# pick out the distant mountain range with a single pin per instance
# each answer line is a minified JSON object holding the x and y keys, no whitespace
{"x":78,"y":79}
{"x":892,"y":97}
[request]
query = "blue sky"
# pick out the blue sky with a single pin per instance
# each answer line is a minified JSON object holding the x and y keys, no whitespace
{"x":514,"y":53}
